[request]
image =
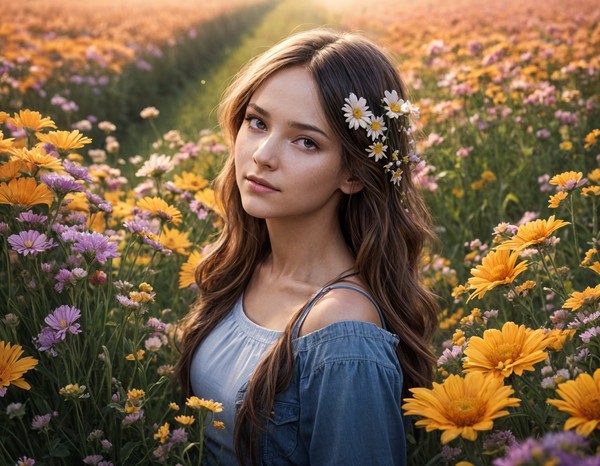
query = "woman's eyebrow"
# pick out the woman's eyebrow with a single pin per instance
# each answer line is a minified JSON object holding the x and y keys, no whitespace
{"x":293,"y":124}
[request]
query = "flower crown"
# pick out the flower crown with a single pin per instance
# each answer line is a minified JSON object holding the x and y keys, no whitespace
{"x":358,"y":115}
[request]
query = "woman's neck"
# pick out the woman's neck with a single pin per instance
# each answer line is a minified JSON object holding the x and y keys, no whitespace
{"x":309,"y":253}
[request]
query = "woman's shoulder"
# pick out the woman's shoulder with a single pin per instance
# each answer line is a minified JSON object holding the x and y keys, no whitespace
{"x":344,"y":302}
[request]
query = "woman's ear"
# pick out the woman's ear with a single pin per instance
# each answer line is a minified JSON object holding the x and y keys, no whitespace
{"x":351,"y":185}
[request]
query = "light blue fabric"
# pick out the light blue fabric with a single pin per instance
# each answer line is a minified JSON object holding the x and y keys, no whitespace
{"x":341,"y":408}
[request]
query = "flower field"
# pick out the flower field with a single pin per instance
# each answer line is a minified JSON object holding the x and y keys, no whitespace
{"x":98,"y":247}
{"x":76,"y":58}
{"x":509,"y":97}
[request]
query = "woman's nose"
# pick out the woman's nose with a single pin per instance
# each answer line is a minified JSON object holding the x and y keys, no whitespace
{"x":266,"y":153}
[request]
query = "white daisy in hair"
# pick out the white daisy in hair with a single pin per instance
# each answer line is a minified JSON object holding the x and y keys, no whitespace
{"x":393,"y":104}
{"x":377,"y":151}
{"x":411,"y":110}
{"x":376,"y":127}
{"x":357,"y":112}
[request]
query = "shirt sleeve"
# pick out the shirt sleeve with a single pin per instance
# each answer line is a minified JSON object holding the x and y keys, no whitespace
{"x":351,"y":414}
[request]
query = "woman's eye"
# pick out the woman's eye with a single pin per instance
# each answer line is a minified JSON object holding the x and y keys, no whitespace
{"x":256,"y":123}
{"x":308,"y":144}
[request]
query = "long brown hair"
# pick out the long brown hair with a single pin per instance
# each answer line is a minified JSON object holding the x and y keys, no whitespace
{"x":385,"y":226}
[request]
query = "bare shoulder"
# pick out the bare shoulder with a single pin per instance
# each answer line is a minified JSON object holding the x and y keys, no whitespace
{"x":337,"y":305}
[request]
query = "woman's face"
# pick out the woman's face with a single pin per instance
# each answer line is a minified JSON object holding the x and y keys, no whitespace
{"x":288,"y":160}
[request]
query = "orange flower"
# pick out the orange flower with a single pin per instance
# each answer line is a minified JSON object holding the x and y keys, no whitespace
{"x":581,"y":298}
{"x":187,"y":275}
{"x":497,"y":268}
{"x":580,"y":399}
{"x":38,"y":157}
{"x":500,"y":353}
{"x":159,"y":208}
{"x":461,"y":406}
{"x":532,"y":233}
{"x":556,"y":199}
{"x":64,"y":140}
{"x":30,"y":120}
{"x":12,"y":366}
{"x":25,"y":192}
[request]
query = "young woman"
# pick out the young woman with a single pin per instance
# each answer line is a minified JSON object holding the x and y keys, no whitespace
{"x":311,"y":323}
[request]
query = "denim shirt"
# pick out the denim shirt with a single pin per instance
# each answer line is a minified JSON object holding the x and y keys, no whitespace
{"x":342,"y":406}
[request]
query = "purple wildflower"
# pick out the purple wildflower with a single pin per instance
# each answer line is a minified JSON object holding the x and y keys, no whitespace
{"x":3,"y":391}
{"x":179,"y":435}
{"x":99,"y":203}
{"x":46,"y":340}
{"x":93,"y":459}
{"x":96,"y":246}
{"x":106,"y":445}
{"x":61,"y":184}
{"x":62,"y":320}
{"x":156,"y":324}
{"x":450,"y":355}
{"x":25,"y":461}
{"x":77,"y":171}
{"x":41,"y":421}
{"x":133,"y":417}
{"x":66,"y":278}
{"x":565,"y":448}
{"x":30,"y":242}
{"x":32,"y":218}
{"x":589,"y":334}
{"x":127,"y":302}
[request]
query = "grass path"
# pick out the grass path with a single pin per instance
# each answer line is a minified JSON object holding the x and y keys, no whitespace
{"x":194,"y":107}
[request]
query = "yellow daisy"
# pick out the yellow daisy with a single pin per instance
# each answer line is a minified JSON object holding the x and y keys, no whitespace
{"x":198,"y":403}
{"x":567,"y":180}
{"x":594,"y":175}
{"x":579,"y":299}
{"x":38,"y":157}
{"x":591,"y":137}
{"x":207,"y":197}
{"x":557,"y":338}
{"x":159,"y":208}
{"x":6,"y":144}
{"x":591,"y":191}
{"x":497,"y":268}
{"x":461,"y":406}
{"x":556,"y":199}
{"x":12,"y":366}
{"x":580,"y":399}
{"x":31,"y":120}
{"x":25,"y":192}
{"x":64,"y":140}
{"x":162,"y":434}
{"x":175,"y":240}
{"x":500,"y":353}
{"x":185,"y":420}
{"x":532,"y":233}
{"x":190,"y":182}
{"x":12,"y":169}
{"x":187,"y":274}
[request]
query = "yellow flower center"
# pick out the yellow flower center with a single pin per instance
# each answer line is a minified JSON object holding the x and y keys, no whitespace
{"x":466,"y":411}
{"x":63,"y":323}
{"x":376,"y":126}
{"x":590,"y":407}
{"x":357,"y":113}
{"x":395,"y":108}
{"x":499,"y":272}
{"x":28,"y":243}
